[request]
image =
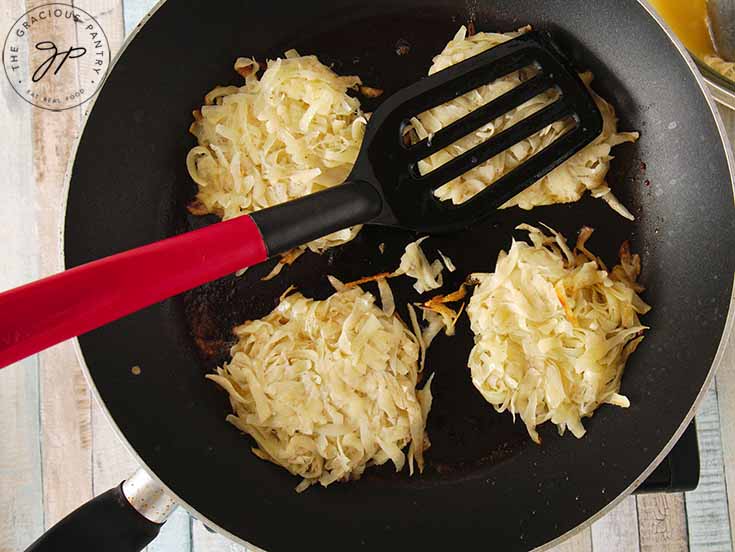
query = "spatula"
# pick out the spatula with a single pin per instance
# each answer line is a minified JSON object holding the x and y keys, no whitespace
{"x":384,"y":188}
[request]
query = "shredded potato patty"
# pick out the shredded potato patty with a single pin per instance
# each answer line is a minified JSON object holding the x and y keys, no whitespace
{"x":327,"y":388}
{"x":567,"y":183}
{"x":414,"y":264}
{"x":553,"y":330}
{"x":290,"y":133}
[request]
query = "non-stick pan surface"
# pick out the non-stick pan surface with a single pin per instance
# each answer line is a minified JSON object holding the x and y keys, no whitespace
{"x":486,"y":484}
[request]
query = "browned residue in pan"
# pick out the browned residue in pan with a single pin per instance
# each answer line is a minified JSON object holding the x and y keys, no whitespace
{"x":245,"y":71}
{"x":210,"y":347}
{"x":370,"y":92}
{"x":210,"y":325}
{"x":402,"y":47}
{"x":197,"y":208}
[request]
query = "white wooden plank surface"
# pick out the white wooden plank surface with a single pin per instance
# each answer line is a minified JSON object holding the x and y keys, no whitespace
{"x":111,"y":461}
{"x":109,"y":14}
{"x":21,"y":495}
{"x":618,"y":531}
{"x":706,"y":508}
{"x":726,"y":402}
{"x":726,"y":390}
{"x":581,"y":542}
{"x":662,"y":523}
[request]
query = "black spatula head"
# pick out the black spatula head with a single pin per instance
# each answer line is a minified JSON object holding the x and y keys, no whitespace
{"x":391,"y":165}
{"x":386,"y":187}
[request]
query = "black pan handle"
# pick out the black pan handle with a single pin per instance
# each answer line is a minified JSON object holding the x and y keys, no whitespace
{"x":110,"y":522}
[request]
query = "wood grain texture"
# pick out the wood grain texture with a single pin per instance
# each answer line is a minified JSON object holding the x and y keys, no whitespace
{"x":726,"y":389}
{"x":581,"y":542}
{"x":618,"y":530}
{"x":706,"y":507}
{"x":66,"y":407}
{"x":726,"y":401}
{"x":21,"y":493}
{"x":111,"y":461}
{"x":65,"y":400}
{"x":109,"y":14}
{"x":662,"y":523}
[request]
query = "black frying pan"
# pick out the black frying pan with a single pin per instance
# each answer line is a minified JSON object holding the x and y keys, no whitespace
{"x":486,"y":483}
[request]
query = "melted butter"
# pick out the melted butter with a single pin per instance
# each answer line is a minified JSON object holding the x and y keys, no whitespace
{"x":688,"y":19}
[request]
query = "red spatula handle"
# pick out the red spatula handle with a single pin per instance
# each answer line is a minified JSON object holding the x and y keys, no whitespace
{"x":45,"y":312}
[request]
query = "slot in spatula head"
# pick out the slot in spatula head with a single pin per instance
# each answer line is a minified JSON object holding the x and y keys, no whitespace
{"x":391,"y":165}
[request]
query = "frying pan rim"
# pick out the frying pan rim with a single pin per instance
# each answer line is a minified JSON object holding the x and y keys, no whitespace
{"x":726,"y":332}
